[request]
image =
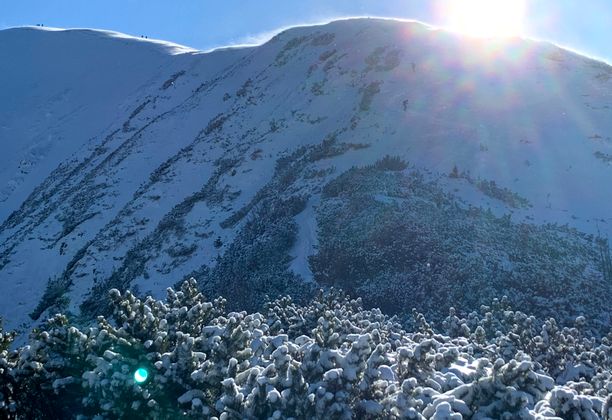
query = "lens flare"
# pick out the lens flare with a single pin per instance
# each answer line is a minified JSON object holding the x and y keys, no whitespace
{"x":141,"y":375}
{"x":487,"y":18}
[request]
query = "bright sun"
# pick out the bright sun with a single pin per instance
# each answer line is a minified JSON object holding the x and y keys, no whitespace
{"x":487,"y":18}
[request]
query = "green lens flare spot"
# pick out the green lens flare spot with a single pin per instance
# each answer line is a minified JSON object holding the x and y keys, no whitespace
{"x":141,"y":375}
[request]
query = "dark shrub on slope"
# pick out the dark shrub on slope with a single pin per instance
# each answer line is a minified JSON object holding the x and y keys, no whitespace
{"x":399,"y":240}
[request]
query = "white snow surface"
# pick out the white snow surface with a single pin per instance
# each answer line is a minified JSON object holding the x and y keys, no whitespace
{"x":103,"y":134}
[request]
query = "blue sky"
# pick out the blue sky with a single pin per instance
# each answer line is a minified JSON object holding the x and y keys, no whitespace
{"x":204,"y":24}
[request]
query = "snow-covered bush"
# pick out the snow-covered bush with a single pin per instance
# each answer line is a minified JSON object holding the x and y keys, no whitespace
{"x":330,"y":358}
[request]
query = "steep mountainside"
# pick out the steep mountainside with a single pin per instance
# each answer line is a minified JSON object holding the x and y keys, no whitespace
{"x":406,"y":164}
{"x":60,"y":89}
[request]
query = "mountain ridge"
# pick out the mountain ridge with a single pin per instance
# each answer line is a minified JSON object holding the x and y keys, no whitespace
{"x":254,"y":129}
{"x":267,"y":36}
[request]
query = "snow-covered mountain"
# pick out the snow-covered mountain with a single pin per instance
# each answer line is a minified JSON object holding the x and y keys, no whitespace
{"x":404,"y":163}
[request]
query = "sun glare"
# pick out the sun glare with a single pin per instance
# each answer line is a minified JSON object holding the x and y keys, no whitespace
{"x":487,"y":18}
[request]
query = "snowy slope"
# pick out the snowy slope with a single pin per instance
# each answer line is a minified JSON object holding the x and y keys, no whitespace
{"x":53,"y":102}
{"x":130,"y":162}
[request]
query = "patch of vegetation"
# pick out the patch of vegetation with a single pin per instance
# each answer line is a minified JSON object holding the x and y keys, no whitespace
{"x":367,"y":95}
{"x":172,"y":79}
{"x":172,"y":225}
{"x":323,"y":39}
{"x":181,"y":250}
{"x":492,"y":190}
{"x":54,"y":296}
{"x":400,"y":241}
{"x":605,"y":258}
{"x":290,"y":168}
{"x":326,"y":55}
{"x":391,"y":163}
{"x":326,"y":358}
{"x":331,"y":62}
{"x":256,"y":263}
{"x":288,"y":50}
{"x":216,"y":124}
{"x":244,"y":89}
{"x":382,"y":60}
{"x":604,"y":157}
{"x":317,"y":88}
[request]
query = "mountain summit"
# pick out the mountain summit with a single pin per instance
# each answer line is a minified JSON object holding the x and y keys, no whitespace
{"x":405,"y":164}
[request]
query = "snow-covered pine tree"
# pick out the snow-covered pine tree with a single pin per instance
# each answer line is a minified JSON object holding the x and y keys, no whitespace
{"x":190,"y":357}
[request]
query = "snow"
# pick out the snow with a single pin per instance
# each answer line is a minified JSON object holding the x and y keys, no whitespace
{"x":87,"y":128}
{"x":53,"y":103}
{"x":306,"y":240}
